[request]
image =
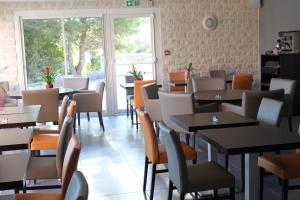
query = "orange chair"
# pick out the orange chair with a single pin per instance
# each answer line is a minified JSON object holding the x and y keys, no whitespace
{"x":156,"y":153}
{"x":48,"y":141}
{"x":176,"y":76}
{"x":242,"y":81}
{"x":138,"y":101}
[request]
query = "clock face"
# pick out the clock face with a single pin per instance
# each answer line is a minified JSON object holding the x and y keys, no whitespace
{"x":210,"y":23}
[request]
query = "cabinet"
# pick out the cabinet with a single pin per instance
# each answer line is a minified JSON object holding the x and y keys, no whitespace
{"x":285,"y":66}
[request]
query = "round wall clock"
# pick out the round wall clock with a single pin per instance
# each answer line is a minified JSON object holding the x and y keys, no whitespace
{"x":210,"y":23}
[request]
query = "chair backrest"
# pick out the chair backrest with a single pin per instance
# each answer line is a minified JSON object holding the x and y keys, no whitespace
{"x":217,"y":74}
{"x":47,"y":98}
{"x":176,"y":76}
{"x":76,"y":83}
{"x":78,"y":188}
{"x":100,"y":91}
{"x":70,"y":162}
{"x":150,"y":141}
{"x":71,"y":113}
{"x":62,"y":111}
{"x":177,"y":167}
{"x":203,"y":84}
{"x":289,"y":87}
{"x":4,"y":85}
{"x":242,"y":81}
{"x":175,"y":104}
{"x":63,"y":140}
{"x":251,"y":100}
{"x":152,"y":101}
{"x":129,"y":79}
{"x":150,"y":91}
{"x":269,"y":111}
{"x":138,"y":98}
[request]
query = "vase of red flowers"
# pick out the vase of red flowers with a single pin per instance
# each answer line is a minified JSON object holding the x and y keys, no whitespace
{"x":48,"y":76}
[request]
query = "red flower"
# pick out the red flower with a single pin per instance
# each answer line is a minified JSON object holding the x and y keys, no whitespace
{"x":47,"y":70}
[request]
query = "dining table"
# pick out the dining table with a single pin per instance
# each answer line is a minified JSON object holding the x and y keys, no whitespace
{"x":19,"y":117}
{"x":219,"y":96}
{"x":15,"y":139}
{"x":213,"y":120}
{"x":251,"y":141}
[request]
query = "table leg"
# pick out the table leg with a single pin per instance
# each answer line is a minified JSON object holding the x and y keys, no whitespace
{"x":251,"y":177}
{"x":212,"y":153}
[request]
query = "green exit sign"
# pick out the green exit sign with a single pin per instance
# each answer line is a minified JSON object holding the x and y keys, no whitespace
{"x":131,"y":3}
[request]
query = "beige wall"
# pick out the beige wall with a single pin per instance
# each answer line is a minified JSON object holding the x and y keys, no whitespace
{"x":232,"y":46}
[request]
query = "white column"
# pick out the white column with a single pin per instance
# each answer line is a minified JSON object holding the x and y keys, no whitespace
{"x":212,"y":153}
{"x":251,"y":177}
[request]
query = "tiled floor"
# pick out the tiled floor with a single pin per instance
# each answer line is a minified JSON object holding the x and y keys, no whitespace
{"x":113,"y":163}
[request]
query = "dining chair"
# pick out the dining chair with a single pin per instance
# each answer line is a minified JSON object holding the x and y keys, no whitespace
{"x":193,"y":178}
{"x":156,"y":153}
{"x":90,"y":102}
{"x":269,"y":111}
{"x":58,"y":167}
{"x":152,"y":103}
{"x":251,"y":101}
{"x":47,"y":98}
{"x":176,"y":76}
{"x":43,"y":140}
{"x":242,"y":81}
{"x":180,"y":104}
{"x":77,"y":189}
{"x":4,"y":90}
{"x":217,"y":74}
{"x":129,"y":92}
{"x":138,"y":101}
{"x":289,"y":87}
{"x":202,"y":84}
{"x":76,"y":83}
{"x":284,"y":166}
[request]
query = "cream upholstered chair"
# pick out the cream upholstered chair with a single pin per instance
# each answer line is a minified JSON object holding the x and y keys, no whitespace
{"x":251,"y":101}
{"x":4,"y":90}
{"x":47,"y":98}
{"x":203,"y":84}
{"x":77,"y":189}
{"x":151,"y":101}
{"x":269,"y":111}
{"x":90,"y":102}
{"x":289,"y":87}
{"x":76,"y":83}
{"x":65,"y":161}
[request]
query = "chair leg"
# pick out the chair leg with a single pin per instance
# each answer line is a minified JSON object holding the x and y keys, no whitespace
{"x":226,"y":161}
{"x":290,"y":123}
{"x":243,"y":171}
{"x":136,"y":120}
{"x":131,"y":114}
{"x":194,"y":162}
{"x":152,"y":181}
{"x":127,"y":108}
{"x":215,"y":193}
{"x":145,"y":173}
{"x":182,"y":196}
{"x":232,"y":193}
{"x":101,"y":120}
{"x":284,"y":187}
{"x":261,"y":183}
{"x":78,"y":117}
{"x":157,"y":128}
{"x":88,"y":116}
{"x":74,"y":123}
{"x":187,"y":138}
{"x":170,"y":190}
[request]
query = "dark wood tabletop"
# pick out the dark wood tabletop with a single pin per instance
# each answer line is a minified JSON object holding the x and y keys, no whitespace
{"x":62,"y":92}
{"x":20,"y":109}
{"x":12,"y":170}
{"x":127,"y":86}
{"x":232,"y":96}
{"x":252,"y":139}
{"x":200,"y":121}
{"x":177,"y":83}
{"x":15,"y":139}
{"x":18,"y":120}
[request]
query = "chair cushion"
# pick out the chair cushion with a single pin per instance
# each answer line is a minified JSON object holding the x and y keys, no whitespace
{"x":284,"y":166}
{"x":44,"y":141}
{"x":40,"y":196}
{"x":208,"y":176}
{"x":189,"y":153}
{"x":42,"y":168}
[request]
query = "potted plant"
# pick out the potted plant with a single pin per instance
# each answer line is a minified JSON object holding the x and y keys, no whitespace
{"x":48,"y":77}
{"x":188,"y":71}
{"x":136,"y":73}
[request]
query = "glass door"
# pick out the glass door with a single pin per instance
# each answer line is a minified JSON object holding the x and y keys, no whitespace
{"x":132,"y":44}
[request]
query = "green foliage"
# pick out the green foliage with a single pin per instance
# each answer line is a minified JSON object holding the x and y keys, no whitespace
{"x":48,"y":78}
{"x":136,"y":73}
